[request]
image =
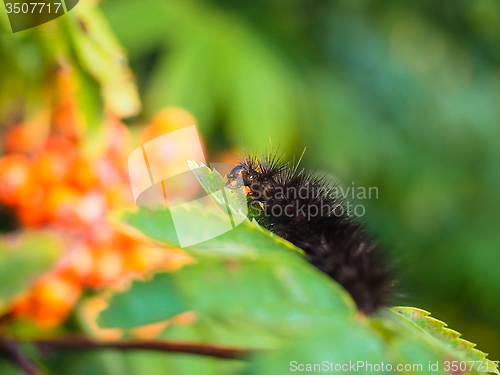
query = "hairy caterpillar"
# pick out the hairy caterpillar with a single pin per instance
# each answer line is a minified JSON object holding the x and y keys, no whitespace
{"x":305,"y":210}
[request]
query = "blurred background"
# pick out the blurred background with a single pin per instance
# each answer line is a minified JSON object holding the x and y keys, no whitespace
{"x":401,"y":96}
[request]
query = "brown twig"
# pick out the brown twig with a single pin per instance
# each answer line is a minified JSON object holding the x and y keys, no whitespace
{"x":11,"y":349}
{"x":83,"y":343}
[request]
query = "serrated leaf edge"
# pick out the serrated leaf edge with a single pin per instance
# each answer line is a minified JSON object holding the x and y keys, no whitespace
{"x":455,"y":335}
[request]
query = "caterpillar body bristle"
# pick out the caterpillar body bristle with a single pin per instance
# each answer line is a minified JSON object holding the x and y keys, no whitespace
{"x":306,"y":211}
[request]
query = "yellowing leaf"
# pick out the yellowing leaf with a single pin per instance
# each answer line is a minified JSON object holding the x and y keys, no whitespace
{"x":101,"y":55}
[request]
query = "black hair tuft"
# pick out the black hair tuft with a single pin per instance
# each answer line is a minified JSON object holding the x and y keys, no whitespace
{"x":308,"y":212}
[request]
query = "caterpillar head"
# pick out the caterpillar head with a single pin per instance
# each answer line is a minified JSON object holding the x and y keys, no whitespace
{"x":256,"y":174}
{"x":242,"y":175}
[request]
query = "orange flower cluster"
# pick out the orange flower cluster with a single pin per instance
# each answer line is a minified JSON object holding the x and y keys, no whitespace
{"x":57,"y":186}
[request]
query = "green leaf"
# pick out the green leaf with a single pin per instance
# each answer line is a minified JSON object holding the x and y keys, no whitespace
{"x":225,"y":330}
{"x":263,"y":291}
{"x":407,"y":345}
{"x":23,"y":258}
{"x":213,"y":183}
{"x":98,"y":362}
{"x":151,"y":363}
{"x":246,"y":238}
{"x":448,"y":338}
{"x":343,"y":342}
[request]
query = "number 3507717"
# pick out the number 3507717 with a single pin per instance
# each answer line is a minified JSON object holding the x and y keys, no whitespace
{"x":32,"y":7}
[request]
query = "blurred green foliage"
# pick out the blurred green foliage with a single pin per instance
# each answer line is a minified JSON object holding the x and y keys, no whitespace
{"x":398,"y":95}
{"x":81,"y":39}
